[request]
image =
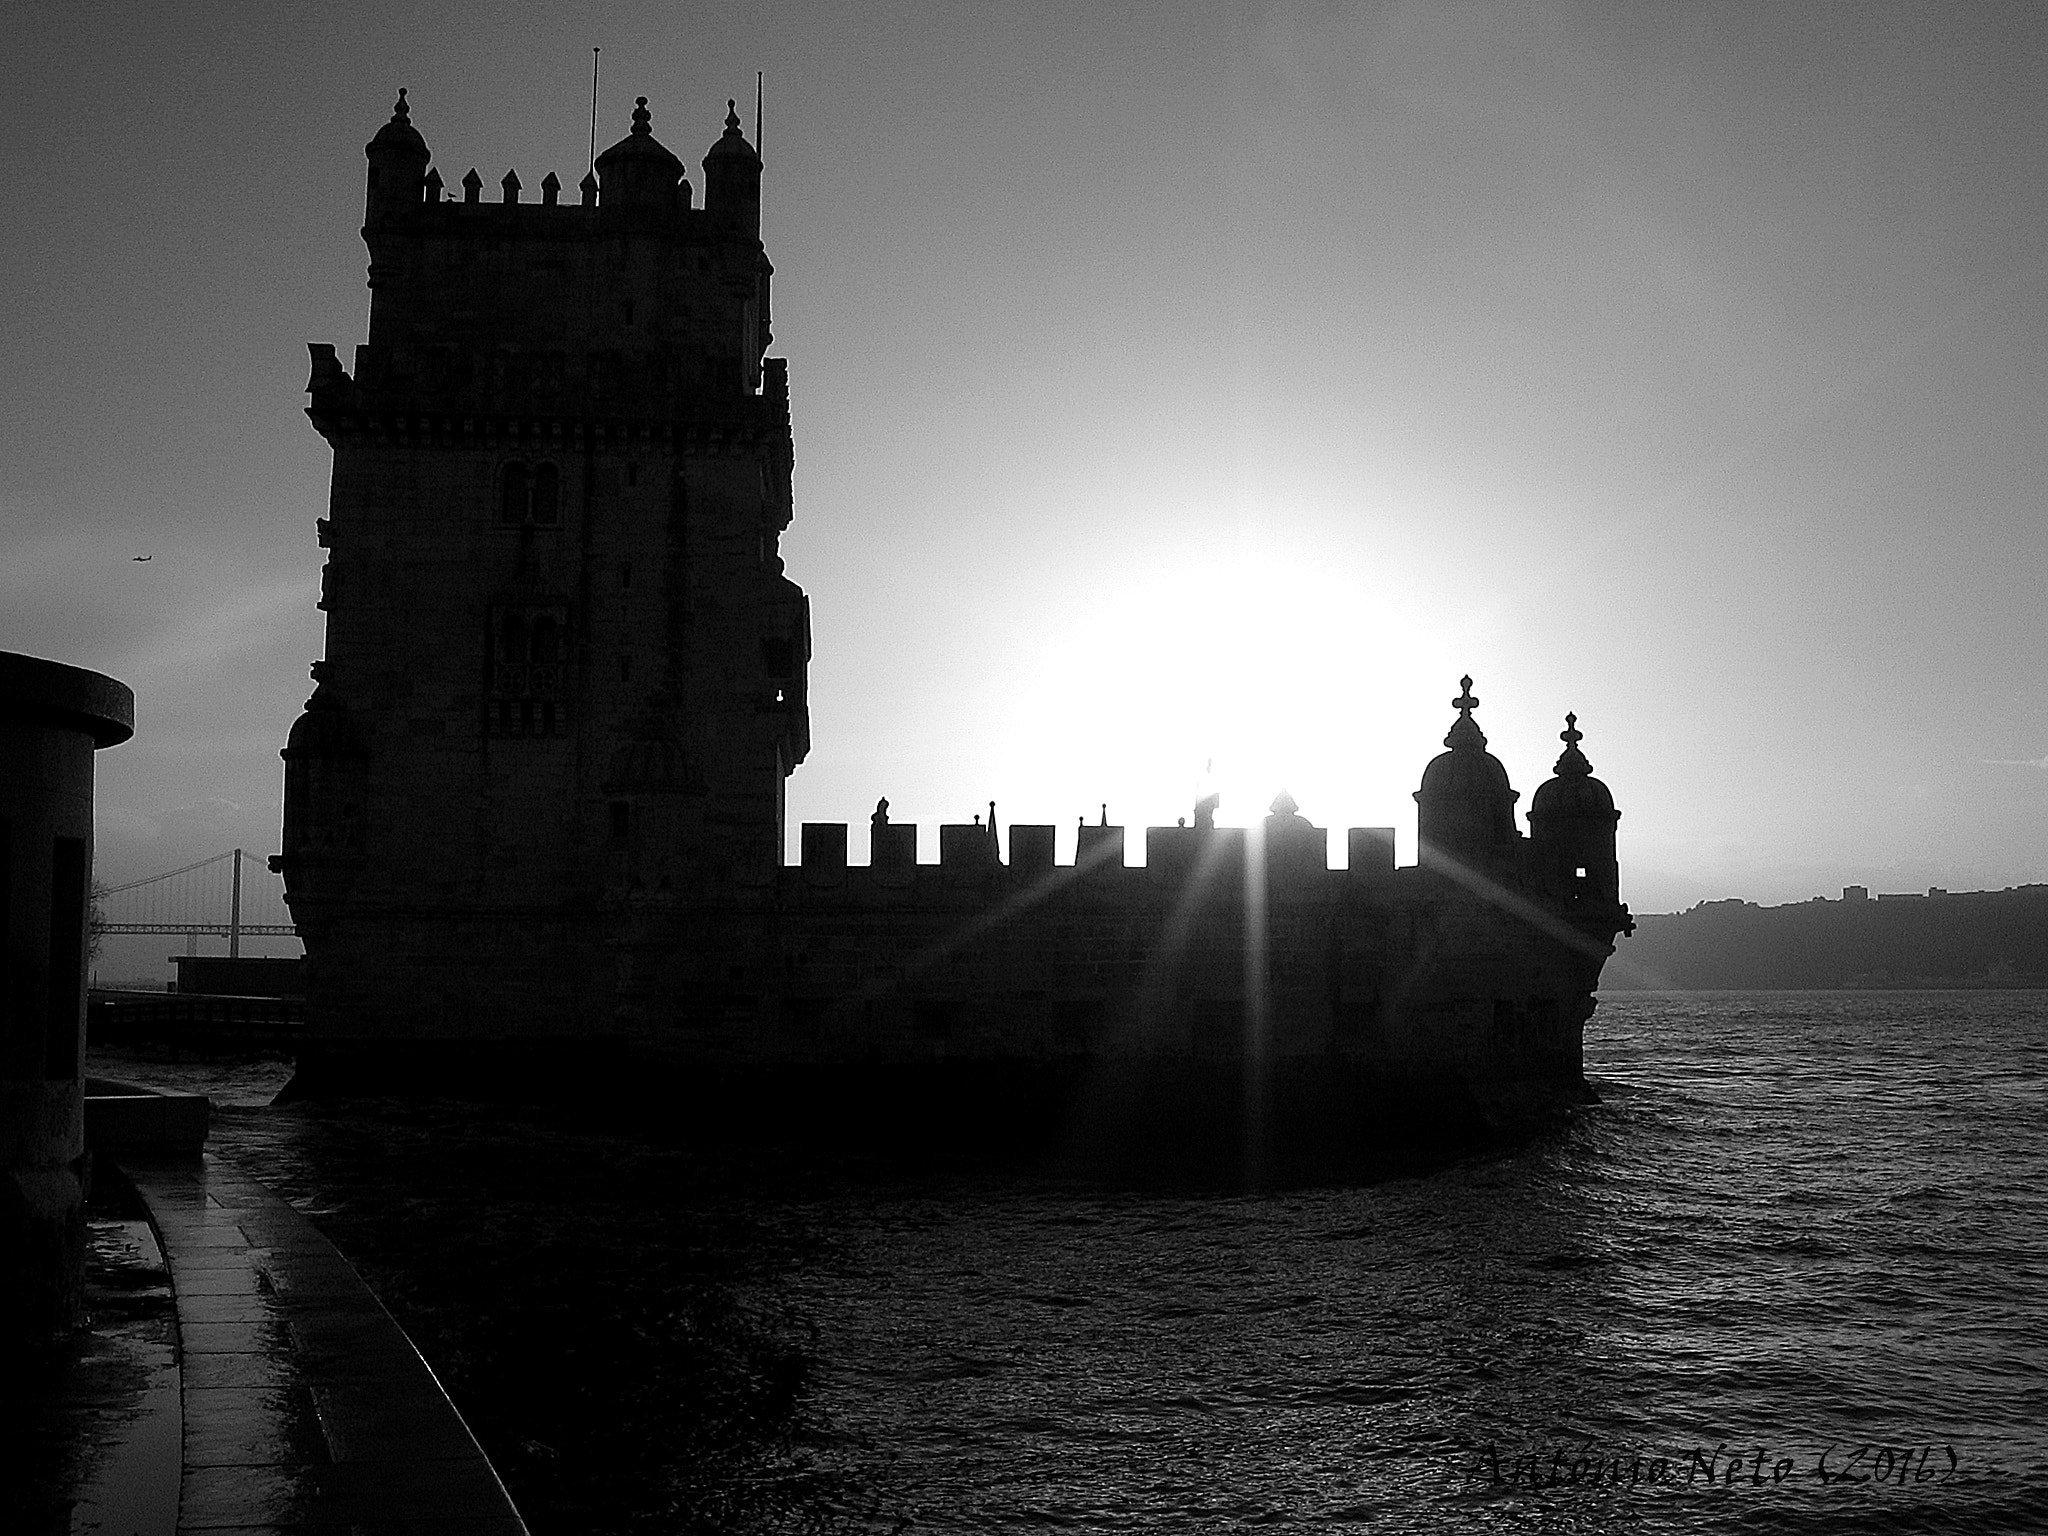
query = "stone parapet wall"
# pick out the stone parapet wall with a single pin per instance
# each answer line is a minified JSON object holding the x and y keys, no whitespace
{"x":1401,"y":971}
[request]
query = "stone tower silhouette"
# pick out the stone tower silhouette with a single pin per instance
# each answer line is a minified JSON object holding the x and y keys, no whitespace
{"x":536,"y":798}
{"x":562,"y":663}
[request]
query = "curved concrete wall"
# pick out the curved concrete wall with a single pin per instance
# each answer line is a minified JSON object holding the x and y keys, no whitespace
{"x":52,"y":719}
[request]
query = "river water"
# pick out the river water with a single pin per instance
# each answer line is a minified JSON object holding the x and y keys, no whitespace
{"x":1791,"y":1275}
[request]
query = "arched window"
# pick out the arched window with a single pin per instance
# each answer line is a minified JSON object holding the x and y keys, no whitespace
{"x":547,"y":494}
{"x":513,"y":499}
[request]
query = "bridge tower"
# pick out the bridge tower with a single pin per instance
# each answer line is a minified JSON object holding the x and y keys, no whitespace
{"x":564,"y":674}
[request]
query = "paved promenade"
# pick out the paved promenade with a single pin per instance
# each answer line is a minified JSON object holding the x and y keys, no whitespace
{"x":305,"y":1406}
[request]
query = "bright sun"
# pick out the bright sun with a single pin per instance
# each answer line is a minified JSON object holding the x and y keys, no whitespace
{"x":1242,"y":673}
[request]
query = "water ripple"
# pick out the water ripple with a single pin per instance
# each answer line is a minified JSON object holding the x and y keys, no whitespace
{"x":1793,"y":1223}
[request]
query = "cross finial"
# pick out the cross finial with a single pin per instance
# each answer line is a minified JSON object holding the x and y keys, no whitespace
{"x":1465,"y":732}
{"x":1572,"y":764}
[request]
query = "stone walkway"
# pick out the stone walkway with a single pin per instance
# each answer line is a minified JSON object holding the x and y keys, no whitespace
{"x":306,"y":1408}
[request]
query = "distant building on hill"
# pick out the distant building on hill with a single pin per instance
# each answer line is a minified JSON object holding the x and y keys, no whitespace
{"x":1961,"y":939}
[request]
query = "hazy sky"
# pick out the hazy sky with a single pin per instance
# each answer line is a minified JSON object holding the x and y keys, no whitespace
{"x":1183,"y":395}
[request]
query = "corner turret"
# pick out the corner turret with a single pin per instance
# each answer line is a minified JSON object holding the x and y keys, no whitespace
{"x":398,"y":159}
{"x":1571,"y":829}
{"x":326,"y":762}
{"x":732,"y":178}
{"x":640,"y":171}
{"x":1465,"y":810}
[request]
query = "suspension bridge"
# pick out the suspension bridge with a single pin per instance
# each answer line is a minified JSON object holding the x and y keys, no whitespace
{"x":231,"y":895}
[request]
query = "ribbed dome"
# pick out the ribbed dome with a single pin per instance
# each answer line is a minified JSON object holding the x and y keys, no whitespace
{"x":399,"y":134}
{"x":639,"y":169}
{"x":1572,"y":797}
{"x":326,"y":729}
{"x":1465,"y":804}
{"x":732,"y":142}
{"x":1466,"y":775}
{"x":1574,"y":792}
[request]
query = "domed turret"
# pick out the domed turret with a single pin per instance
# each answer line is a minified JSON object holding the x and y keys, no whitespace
{"x":324,"y":730}
{"x":1571,"y":827}
{"x":732,"y":176}
{"x":1574,"y":792}
{"x":1465,"y":810}
{"x":324,"y":763}
{"x":639,"y":171}
{"x":398,"y":159}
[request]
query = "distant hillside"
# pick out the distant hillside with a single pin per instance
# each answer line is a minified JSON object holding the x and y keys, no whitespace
{"x":1965,"y":939}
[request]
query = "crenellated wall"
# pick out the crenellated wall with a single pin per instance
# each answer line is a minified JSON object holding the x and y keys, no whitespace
{"x":981,"y":957}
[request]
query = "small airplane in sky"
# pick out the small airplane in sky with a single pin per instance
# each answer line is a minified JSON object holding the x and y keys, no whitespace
{"x":138,"y":559}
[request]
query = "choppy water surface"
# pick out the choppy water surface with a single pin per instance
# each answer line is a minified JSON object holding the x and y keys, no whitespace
{"x":1804,"y":1234}
{"x":1798,"y":1224}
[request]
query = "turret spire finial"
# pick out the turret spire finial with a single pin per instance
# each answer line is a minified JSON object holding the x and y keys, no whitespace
{"x":642,"y":119}
{"x":400,"y":112}
{"x":1572,"y":764}
{"x":1465,"y":730}
{"x":732,"y":115}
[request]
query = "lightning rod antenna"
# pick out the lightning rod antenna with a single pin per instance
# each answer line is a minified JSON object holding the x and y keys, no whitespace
{"x":593,"y":109}
{"x":757,"y":113}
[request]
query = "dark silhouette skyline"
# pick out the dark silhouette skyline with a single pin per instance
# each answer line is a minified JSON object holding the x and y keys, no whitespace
{"x":1182,"y":388}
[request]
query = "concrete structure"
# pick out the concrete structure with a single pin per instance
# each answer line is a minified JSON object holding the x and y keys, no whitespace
{"x":52,"y":719}
{"x":240,"y":975}
{"x":538,"y":789}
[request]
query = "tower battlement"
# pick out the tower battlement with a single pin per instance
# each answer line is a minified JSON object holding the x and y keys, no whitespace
{"x":1024,"y":851}
{"x":631,"y":295}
